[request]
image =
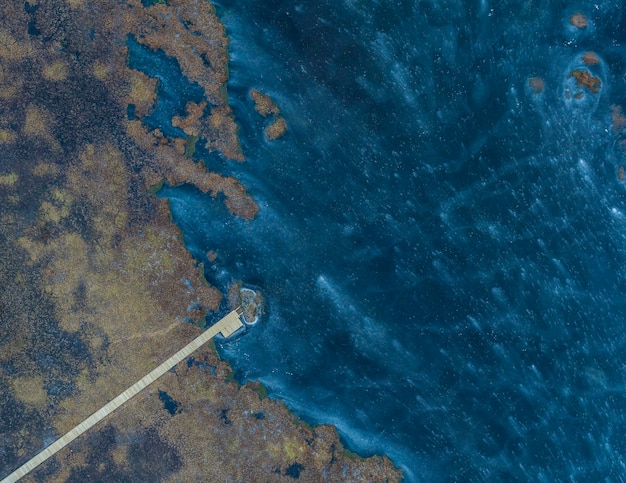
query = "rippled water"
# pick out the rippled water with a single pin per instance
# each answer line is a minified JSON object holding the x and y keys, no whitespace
{"x":442,"y":250}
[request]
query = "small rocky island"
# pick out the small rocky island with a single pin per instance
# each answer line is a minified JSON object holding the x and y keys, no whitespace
{"x":250,"y":301}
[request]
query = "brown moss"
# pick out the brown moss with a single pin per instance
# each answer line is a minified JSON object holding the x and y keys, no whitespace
{"x":235,"y":420}
{"x":10,"y":83}
{"x":234,"y":294}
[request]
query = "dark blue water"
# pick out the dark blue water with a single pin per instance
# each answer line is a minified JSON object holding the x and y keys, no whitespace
{"x":443,"y":251}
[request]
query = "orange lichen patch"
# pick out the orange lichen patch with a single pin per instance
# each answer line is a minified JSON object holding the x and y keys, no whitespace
{"x":238,"y":201}
{"x":190,"y":124}
{"x":56,"y":71}
{"x":211,"y":255}
{"x":585,"y":79}
{"x":264,"y":104}
{"x":536,"y":84}
{"x":142,"y":92}
{"x":276,"y":129}
{"x":618,"y":122}
{"x":578,"y":20}
{"x":591,"y":58}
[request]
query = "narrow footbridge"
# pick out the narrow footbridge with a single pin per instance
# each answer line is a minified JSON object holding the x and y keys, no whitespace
{"x":226,"y":326}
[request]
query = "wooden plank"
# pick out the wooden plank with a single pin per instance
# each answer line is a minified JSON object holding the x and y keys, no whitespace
{"x":227,"y":326}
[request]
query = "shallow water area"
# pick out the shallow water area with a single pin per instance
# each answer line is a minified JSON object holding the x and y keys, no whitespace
{"x":440,"y":247}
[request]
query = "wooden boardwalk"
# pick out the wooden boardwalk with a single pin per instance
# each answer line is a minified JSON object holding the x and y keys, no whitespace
{"x":227,"y":326}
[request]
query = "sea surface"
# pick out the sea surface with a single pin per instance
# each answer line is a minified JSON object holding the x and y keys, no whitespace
{"x":442,"y":249}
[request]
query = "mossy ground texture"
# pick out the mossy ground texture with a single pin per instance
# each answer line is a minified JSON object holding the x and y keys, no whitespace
{"x":96,"y":286}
